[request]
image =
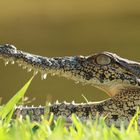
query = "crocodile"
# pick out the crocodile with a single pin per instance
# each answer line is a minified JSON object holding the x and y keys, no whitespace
{"x":117,"y":76}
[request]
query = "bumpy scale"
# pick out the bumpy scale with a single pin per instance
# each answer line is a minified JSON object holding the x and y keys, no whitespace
{"x":118,"y":77}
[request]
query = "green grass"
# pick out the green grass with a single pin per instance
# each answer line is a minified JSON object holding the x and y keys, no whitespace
{"x":26,"y":130}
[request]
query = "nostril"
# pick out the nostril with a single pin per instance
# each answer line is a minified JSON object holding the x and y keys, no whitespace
{"x":10,"y":46}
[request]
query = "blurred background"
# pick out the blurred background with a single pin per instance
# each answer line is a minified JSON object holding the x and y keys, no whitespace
{"x":59,"y":28}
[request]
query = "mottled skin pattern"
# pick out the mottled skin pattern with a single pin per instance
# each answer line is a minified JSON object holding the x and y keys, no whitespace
{"x":118,"y":77}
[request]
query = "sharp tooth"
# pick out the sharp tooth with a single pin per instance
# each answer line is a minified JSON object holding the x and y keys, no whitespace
{"x":65,"y":102}
{"x":43,"y":76}
{"x":57,"y":102}
{"x":6,"y":62}
{"x":73,"y":102}
{"x":12,"y":62}
{"x":53,"y":74}
{"x":29,"y":69}
{"x":35,"y":72}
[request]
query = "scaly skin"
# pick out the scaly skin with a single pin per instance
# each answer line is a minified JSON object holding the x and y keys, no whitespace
{"x":118,"y":77}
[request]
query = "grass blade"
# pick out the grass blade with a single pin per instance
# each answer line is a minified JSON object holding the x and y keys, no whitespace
{"x":14,"y":100}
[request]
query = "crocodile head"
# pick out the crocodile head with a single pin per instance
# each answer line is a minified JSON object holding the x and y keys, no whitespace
{"x":111,"y":73}
{"x":105,"y":70}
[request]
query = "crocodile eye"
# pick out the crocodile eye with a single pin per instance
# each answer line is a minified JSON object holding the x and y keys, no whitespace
{"x":103,"y":59}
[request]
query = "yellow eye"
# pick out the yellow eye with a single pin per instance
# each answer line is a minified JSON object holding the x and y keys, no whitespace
{"x":103,"y":59}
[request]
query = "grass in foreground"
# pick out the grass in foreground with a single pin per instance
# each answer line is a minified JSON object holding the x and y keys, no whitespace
{"x":25,"y":130}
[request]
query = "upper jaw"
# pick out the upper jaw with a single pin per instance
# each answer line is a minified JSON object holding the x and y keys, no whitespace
{"x":78,"y":68}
